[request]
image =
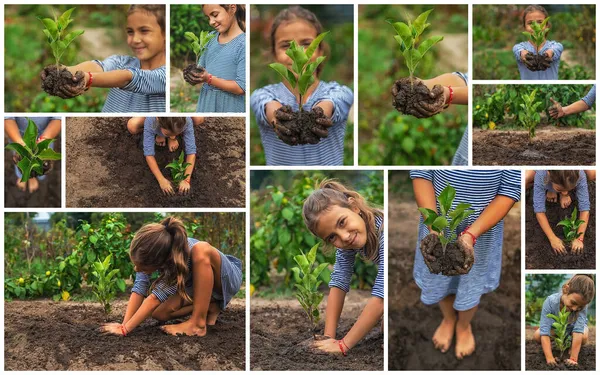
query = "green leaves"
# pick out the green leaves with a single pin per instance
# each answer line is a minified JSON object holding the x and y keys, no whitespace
{"x":199,"y":44}
{"x":55,"y":33}
{"x":571,"y":226}
{"x":529,"y":116}
{"x":178,"y":167}
{"x":538,"y":34}
{"x":105,"y":282}
{"x":561,"y":338}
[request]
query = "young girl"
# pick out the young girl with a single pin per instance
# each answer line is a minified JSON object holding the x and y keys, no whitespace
{"x":576,"y":294}
{"x":14,"y":128}
{"x":552,"y":185}
{"x":550,"y":49}
{"x":491,"y":193}
{"x":137,"y":83}
{"x":300,"y":25}
{"x":224,"y":78}
{"x":156,"y":130}
{"x":587,"y":102}
{"x":342,"y":218}
{"x":195,"y":278}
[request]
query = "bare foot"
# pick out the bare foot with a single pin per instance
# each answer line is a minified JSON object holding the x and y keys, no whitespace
{"x":551,"y":196}
{"x":565,"y":200}
{"x":213,"y":314}
{"x":33,"y":185}
{"x":21,"y":185}
{"x":465,"y":342}
{"x":442,"y":338}
{"x":160,"y":141}
{"x":173,"y":144}
{"x":186,"y":328}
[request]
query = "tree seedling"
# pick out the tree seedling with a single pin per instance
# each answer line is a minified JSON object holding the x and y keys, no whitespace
{"x":561,"y":338}
{"x":35,"y":157}
{"x":571,"y":226}
{"x":530,"y":116}
{"x":306,"y":276}
{"x":198,"y":44}
{"x":539,"y":34}
{"x":105,"y":282}
{"x":178,"y":167}
{"x":55,"y":30}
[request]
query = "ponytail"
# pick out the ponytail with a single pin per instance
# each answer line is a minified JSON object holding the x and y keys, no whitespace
{"x":240,"y":14}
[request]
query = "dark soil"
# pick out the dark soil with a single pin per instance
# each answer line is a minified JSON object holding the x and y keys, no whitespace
{"x":193,"y":68}
{"x":410,"y":96}
{"x":538,"y":252}
{"x":280,"y":340}
{"x":445,"y":262}
{"x":49,"y":192}
{"x":551,"y":146}
{"x":496,"y":325}
{"x":45,"y":335}
{"x":55,"y":79}
{"x":301,"y":125}
{"x":121,"y":177}
{"x":535,"y":359}
{"x":537,"y":62}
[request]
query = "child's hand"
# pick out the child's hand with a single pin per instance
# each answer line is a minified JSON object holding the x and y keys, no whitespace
{"x":529,"y":60}
{"x":465,"y":243}
{"x":194,"y":78}
{"x":166,"y":187}
{"x":65,"y":85}
{"x":577,"y":246}
{"x":184,"y":187}
{"x":328,"y":346}
{"x":323,"y":123}
{"x":571,"y":363}
{"x":427,"y":103}
{"x":565,"y":200}
{"x":112,"y":329}
{"x":282,"y":114}
{"x":552,"y":362}
{"x":173,"y":144}
{"x":557,"y":245}
{"x":556,"y":111}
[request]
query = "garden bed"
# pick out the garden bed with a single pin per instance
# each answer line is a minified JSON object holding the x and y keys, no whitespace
{"x":535,"y":359}
{"x":538,"y":252}
{"x":46,"y":335}
{"x":551,"y":146}
{"x":120,"y":175}
{"x":496,"y":325}
{"x":279,"y":332}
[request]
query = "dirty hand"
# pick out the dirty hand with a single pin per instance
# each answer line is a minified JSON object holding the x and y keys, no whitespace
{"x":184,"y":187}
{"x":530,"y":60}
{"x":552,"y":362}
{"x":571,"y":363}
{"x":577,"y":246}
{"x":193,"y":77}
{"x":282,"y":115}
{"x":427,"y":250}
{"x":433,"y":105}
{"x":556,"y":111}
{"x":323,"y":123}
{"x":328,"y":345}
{"x":65,"y":90}
{"x":173,"y":144}
{"x":465,"y":243}
{"x":546,"y":62}
{"x":111,"y":329}
{"x":166,"y":187}
{"x":557,"y":245}
{"x":565,"y":200}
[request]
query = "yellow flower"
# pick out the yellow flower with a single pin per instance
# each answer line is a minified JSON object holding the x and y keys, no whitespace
{"x":284,"y":201}
{"x":252,"y":289}
{"x":47,"y":273}
{"x":58,"y":282}
{"x":486,"y":115}
{"x":306,"y":187}
{"x":478,"y":107}
{"x":21,"y":280}
{"x":65,"y":295}
{"x":492,"y":125}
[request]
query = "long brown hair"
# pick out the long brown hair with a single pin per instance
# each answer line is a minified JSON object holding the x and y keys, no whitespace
{"x":172,"y":124}
{"x":566,"y":179}
{"x":331,"y":192}
{"x":240,"y":14}
{"x":582,"y":284}
{"x":163,"y":246}
{"x":156,"y":10}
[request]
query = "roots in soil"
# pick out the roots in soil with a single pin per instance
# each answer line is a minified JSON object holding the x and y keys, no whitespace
{"x":416,"y":99}
{"x":445,"y":262}
{"x":302,"y":125}
{"x":55,"y":79}
{"x":193,"y":68}
{"x":537,"y":62}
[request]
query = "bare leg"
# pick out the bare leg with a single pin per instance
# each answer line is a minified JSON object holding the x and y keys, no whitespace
{"x":537,"y":337}
{"x":172,"y":309}
{"x":213,"y":313}
{"x":135,"y":125}
{"x":34,"y":185}
{"x":465,"y":341}
{"x":529,"y":177}
{"x":21,"y":185}
{"x":197,"y":120}
{"x":591,"y":174}
{"x":442,"y":338}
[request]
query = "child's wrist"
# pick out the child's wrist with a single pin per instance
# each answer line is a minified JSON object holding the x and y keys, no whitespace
{"x":89,"y":80}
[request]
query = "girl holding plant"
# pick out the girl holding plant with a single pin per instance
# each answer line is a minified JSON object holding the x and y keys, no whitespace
{"x":541,"y":61}
{"x":343,"y":218}
{"x":555,"y":185}
{"x":137,"y":84}
{"x":575,"y":296}
{"x":163,"y":131}
{"x":328,"y":102}
{"x":14,"y":128}
{"x":195,"y":278}
{"x":224,"y":61}
{"x":587,"y":102}
{"x":491,"y":193}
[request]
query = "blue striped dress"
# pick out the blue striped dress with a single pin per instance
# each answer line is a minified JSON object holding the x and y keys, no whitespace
{"x":552,"y":306}
{"x":344,"y":266}
{"x":330,"y":150}
{"x":551,"y":72}
{"x":41,"y":124}
{"x":479,"y":188}
{"x":231,"y":280}
{"x":590,"y":97}
{"x":226,"y":61}
{"x":461,"y":157}
{"x":144,"y":93}
{"x":541,"y":186}
{"x":152,"y":129}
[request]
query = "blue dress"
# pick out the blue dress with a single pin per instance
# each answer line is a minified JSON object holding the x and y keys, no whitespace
{"x":226,"y":61}
{"x":551,"y":72}
{"x":461,"y":157}
{"x":152,"y":129}
{"x":329,"y":151}
{"x":479,"y":188}
{"x":541,"y":186}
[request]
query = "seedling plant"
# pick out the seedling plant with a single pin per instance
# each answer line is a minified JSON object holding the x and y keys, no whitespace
{"x":35,"y":157}
{"x":307,"y":283}
{"x":571,"y":226}
{"x":106,"y":282}
{"x":536,"y":62}
{"x":561,"y":338}
{"x":530,"y":116}
{"x":198,"y":45}
{"x":178,"y":167}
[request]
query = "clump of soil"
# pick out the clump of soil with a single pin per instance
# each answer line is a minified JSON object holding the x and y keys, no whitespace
{"x":412,"y":99}
{"x":535,"y":359}
{"x":536,"y":62}
{"x":58,"y":78}
{"x":193,"y":68}
{"x":446,"y":262}
{"x":55,"y":336}
{"x":305,"y":126}
{"x":539,"y":254}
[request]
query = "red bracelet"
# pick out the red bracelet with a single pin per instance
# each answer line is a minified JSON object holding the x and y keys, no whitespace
{"x":124,"y":330}
{"x":209,"y":79}
{"x":573,"y":359}
{"x":344,"y":352}
{"x":187,"y":180}
{"x":41,"y":138}
{"x":466,"y":231}
{"x":579,"y":239}
{"x":89,"y":83}
{"x":450,"y":96}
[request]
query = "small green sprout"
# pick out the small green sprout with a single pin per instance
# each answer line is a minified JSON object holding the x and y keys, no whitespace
{"x":539,"y":34}
{"x":55,"y":32}
{"x":178,"y":167}
{"x":530,"y":117}
{"x":571,"y":226}
{"x":562,"y":339}
{"x":199,"y":43}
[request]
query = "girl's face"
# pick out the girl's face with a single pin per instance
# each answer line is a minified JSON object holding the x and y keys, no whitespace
{"x":219,"y":18}
{"x":573,"y":302}
{"x":144,"y":36}
{"x":342,"y":227}
{"x":560,"y":189}
{"x":535,"y":16}
{"x":302,"y":32}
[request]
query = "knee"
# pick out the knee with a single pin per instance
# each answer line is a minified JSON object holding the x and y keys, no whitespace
{"x":134,"y":125}
{"x":536,"y":336}
{"x":162,"y":313}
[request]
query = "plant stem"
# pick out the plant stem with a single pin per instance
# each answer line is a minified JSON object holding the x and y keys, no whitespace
{"x":300,"y":97}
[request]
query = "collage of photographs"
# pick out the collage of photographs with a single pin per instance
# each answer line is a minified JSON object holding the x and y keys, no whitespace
{"x":251,"y":235}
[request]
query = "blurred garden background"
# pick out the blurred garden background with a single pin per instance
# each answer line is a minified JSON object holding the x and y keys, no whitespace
{"x":497,"y":28}
{"x":339,"y":65}
{"x":278,"y":232}
{"x":26,"y":53}
{"x":387,"y":137}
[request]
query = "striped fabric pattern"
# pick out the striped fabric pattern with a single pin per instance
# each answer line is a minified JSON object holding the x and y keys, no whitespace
{"x":479,"y":188}
{"x":552,"y":306}
{"x":226,"y":61}
{"x":551,"y":72}
{"x":344,"y":266}
{"x":144,"y":93}
{"x":329,"y":151}
{"x":461,"y":157}
{"x":152,"y":129}
{"x":590,"y":97}
{"x":540,"y":187}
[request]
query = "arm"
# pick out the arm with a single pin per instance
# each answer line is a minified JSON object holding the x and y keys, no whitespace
{"x":554,"y":50}
{"x":547,"y":348}
{"x":11,"y":130}
{"x":86,"y":66}
{"x":270,"y":109}
{"x":555,"y":242}
{"x":135,"y":301}
{"x":492,"y":214}
{"x":52,"y":130}
{"x":369,"y":317}
{"x":460,"y":94}
{"x":424,"y":194}
{"x":143,"y":312}
{"x":335,"y":305}
{"x":226,"y":85}
{"x":576,"y":345}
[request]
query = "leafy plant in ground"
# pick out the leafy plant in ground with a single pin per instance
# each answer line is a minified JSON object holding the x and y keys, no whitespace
{"x":538,"y":34}
{"x":561,"y":338}
{"x":571,"y":226}
{"x":446,"y":223}
{"x":55,"y":32}
{"x":34,"y":156}
{"x":408,"y":38}
{"x":529,"y":116}
{"x":105,"y":282}
{"x":198,"y":43}
{"x":307,"y":280}
{"x":178,"y":167}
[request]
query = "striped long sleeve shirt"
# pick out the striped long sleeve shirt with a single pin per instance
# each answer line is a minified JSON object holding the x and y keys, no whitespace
{"x":551,"y":72}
